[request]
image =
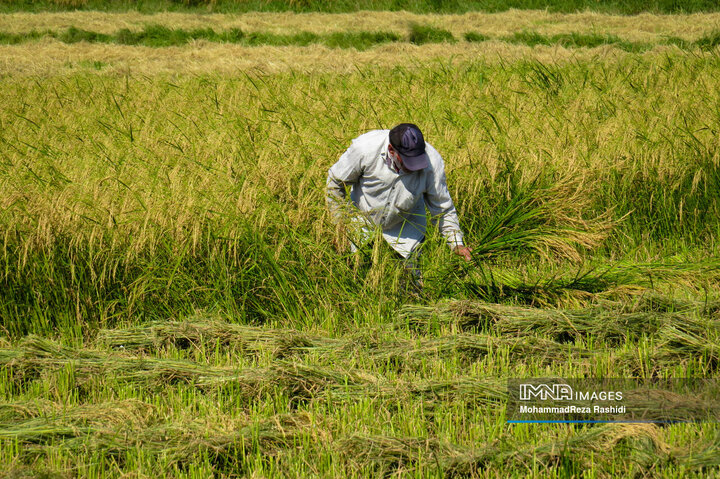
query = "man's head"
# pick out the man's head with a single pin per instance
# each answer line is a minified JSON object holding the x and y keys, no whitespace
{"x":407,"y":140}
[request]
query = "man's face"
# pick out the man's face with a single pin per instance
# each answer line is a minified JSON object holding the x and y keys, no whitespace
{"x":397,"y":158}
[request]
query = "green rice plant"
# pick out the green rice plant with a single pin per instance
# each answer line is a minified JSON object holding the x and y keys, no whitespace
{"x":162,"y":36}
{"x":155,"y":35}
{"x":576,"y":40}
{"x":16,"y":38}
{"x":257,"y":242}
{"x":668,"y":205}
{"x":421,"y":34}
{"x":679,"y":42}
{"x":547,"y":78}
{"x":299,"y":39}
{"x":543,"y":219}
{"x":528,"y":38}
{"x":232,"y":35}
{"x":588,"y":40}
{"x":126,"y":36}
{"x":74,"y":35}
{"x":475,"y":37}
{"x":709,"y":41}
{"x":359,"y":40}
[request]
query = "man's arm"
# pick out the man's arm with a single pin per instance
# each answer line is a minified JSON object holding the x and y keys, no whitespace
{"x":443,"y":211}
{"x":345,"y":172}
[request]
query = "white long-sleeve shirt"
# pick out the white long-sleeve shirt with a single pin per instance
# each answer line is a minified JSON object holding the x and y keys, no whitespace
{"x":393,"y":200}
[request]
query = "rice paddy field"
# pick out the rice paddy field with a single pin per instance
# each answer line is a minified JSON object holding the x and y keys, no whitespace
{"x":175,"y":300}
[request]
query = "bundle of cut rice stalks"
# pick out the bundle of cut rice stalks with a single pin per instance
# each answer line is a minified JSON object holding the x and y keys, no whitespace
{"x":201,"y":333}
{"x":404,"y":453}
{"x":368,"y":344}
{"x":120,"y":427}
{"x":37,"y":358}
{"x":560,"y":324}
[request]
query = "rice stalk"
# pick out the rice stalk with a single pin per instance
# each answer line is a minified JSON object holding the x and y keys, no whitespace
{"x":682,"y":342}
{"x":695,"y":401}
{"x":545,"y":219}
{"x":654,"y":302}
{"x":704,"y":458}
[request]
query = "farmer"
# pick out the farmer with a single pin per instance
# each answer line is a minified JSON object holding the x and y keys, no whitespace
{"x":394,"y":175}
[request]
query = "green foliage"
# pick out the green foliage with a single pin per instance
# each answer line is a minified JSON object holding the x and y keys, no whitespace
{"x":528,"y":38}
{"x":589,"y":40}
{"x":577,"y":40}
{"x":252,"y":239}
{"x":709,"y":41}
{"x":74,"y":35}
{"x":475,"y":37}
{"x":162,"y":36}
{"x":679,"y":42}
{"x":421,"y":34}
{"x":16,"y":38}
{"x":359,"y":40}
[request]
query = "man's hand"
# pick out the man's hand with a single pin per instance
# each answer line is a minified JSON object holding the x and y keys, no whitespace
{"x":463,"y":251}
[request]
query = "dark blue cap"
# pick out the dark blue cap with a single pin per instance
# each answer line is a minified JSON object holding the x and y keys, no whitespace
{"x":408,"y":141}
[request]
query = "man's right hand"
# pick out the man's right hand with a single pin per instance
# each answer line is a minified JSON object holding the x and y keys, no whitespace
{"x":463,"y":251}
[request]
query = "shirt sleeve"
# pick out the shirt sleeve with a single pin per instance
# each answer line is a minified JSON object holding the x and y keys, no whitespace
{"x":345,"y":172}
{"x":442,"y":209}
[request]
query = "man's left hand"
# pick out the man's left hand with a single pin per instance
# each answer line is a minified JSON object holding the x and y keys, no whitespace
{"x":463,"y":251}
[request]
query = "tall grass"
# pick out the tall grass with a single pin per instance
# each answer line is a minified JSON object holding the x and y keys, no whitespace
{"x":176,"y":301}
{"x":112,"y":211}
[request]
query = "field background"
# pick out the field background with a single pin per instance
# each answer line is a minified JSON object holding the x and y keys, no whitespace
{"x":174,"y":299}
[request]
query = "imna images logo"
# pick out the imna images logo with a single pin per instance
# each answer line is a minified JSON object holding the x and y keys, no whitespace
{"x":544,"y":392}
{"x":561,"y":391}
